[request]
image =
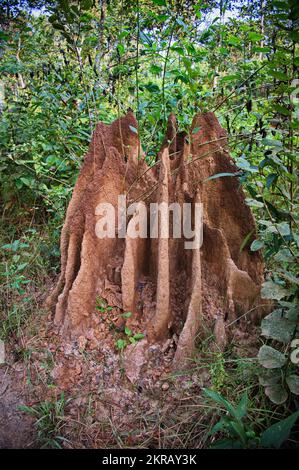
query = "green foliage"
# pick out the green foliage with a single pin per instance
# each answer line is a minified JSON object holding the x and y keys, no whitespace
{"x":102,"y":305}
{"x":217,"y":371}
{"x":241,"y":434}
{"x":49,"y":420}
{"x":130,"y":338}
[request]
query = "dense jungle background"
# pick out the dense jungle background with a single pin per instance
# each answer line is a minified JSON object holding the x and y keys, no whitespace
{"x":66,"y":65}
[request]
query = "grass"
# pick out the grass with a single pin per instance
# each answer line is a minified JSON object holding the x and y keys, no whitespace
{"x":49,"y":421}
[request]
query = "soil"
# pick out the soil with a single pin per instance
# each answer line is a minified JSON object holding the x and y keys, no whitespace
{"x":112,"y":398}
{"x":16,"y":428}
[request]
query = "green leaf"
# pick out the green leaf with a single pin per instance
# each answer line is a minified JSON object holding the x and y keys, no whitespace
{"x":279,"y":432}
{"x":161,"y":3}
{"x":246,"y":240}
{"x":270,"y":358}
{"x":253,"y":202}
{"x":276,"y":326}
{"x":279,"y":75}
{"x":21,"y":266}
{"x":128,"y":331}
{"x":254,"y":37}
{"x":293,"y":314}
{"x":155,"y":69}
{"x":86,"y":4}
{"x":229,"y":78}
{"x":293,"y":383}
{"x":284,"y":255}
{"x":218,"y":426}
{"x":216,"y":397}
{"x":256,"y":245}
{"x":195,"y":130}
{"x":269,"y":377}
{"x":290,"y":277}
{"x":133,"y":129}
{"x":138,"y":336}
{"x":220,"y":175}
{"x":126,"y":314}
{"x":272,"y":143}
{"x":132,"y":340}
{"x":271,"y":290}
{"x":261,"y":49}
{"x":241,"y":410}
{"x":121,"y":344}
{"x":283,"y":229}
{"x":121,"y":49}
{"x":276,"y":393}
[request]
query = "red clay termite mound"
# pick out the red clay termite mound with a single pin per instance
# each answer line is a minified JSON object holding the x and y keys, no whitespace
{"x":169,"y":289}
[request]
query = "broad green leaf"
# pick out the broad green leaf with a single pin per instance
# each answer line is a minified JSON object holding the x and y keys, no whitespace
{"x":155,"y":69}
{"x":138,"y":336}
{"x":272,"y":143}
{"x":261,"y":49}
{"x":277,"y":326}
{"x":279,"y":432}
{"x":271,"y":290}
{"x":229,"y":78}
{"x":269,"y":377}
{"x":216,"y":397}
{"x":256,"y":245}
{"x":284,"y":255}
{"x":283,"y":229}
{"x":293,"y":314}
{"x":218,"y":426}
{"x":270,"y":358}
{"x":253,"y":202}
{"x":279,"y":75}
{"x":277,"y":393}
{"x":293,"y":383}
{"x":254,"y":37}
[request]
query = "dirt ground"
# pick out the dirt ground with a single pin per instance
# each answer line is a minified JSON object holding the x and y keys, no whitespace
{"x":16,"y":428}
{"x":111,"y":399}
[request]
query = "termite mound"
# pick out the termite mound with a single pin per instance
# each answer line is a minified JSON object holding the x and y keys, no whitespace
{"x":169,"y":289}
